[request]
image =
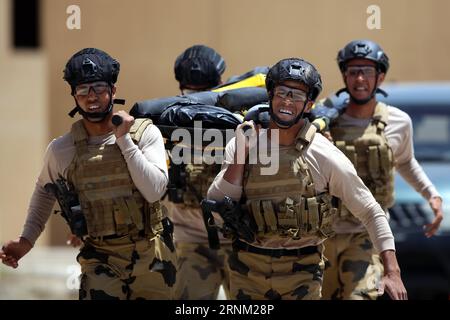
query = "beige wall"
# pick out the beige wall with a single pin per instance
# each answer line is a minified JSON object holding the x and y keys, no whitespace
{"x":24,"y":130}
{"x":146,"y":36}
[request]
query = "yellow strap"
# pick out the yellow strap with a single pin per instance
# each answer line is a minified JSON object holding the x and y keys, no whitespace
{"x":258,"y":80}
{"x":320,"y":122}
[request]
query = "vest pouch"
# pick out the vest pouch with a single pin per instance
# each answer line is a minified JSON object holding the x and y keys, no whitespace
{"x":255,"y":208}
{"x":304,"y":217}
{"x":374,"y":162}
{"x":313,"y":213}
{"x":154,"y":214}
{"x":328,"y":214}
{"x":122,"y":217}
{"x":269,"y":216}
{"x":287,"y":218}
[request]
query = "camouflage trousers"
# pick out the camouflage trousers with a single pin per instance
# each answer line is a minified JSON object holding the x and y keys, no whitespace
{"x":201,"y":271}
{"x":122,"y":269}
{"x":261,"y":277}
{"x":353,"y":271}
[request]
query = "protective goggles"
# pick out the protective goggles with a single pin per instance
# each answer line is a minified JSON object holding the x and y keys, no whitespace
{"x":295,"y":94}
{"x":98,"y":87}
{"x":365,"y":71}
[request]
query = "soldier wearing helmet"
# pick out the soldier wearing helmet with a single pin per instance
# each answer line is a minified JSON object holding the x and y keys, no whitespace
{"x":293,"y":209}
{"x":377,"y":139}
{"x":201,"y":270}
{"x":108,"y":180}
{"x":198,"y":68}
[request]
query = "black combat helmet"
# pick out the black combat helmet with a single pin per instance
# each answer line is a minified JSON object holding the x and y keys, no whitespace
{"x":200,"y":66}
{"x":293,"y":69}
{"x":363,"y":49}
{"x":90,"y":65}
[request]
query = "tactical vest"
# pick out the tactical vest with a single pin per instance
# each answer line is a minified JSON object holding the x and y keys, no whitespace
{"x":369,"y":151}
{"x":286,"y":204}
{"x":110,"y":201}
{"x":198,"y":179}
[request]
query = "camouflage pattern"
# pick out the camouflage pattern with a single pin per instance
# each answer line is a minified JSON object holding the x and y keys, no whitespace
{"x":261,"y":277}
{"x":201,"y":271}
{"x":352,"y":271}
{"x":123,"y":269}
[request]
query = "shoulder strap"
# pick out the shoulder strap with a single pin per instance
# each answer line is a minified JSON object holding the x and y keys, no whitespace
{"x":380,"y":116}
{"x":138,"y":128}
{"x":305,"y":136}
{"x":80,"y":137}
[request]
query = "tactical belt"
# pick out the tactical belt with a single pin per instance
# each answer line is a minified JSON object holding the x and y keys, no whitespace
{"x":140,"y":234}
{"x":276,"y":253}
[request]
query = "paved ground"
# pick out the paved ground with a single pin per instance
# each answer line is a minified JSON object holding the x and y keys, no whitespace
{"x":45,"y":274}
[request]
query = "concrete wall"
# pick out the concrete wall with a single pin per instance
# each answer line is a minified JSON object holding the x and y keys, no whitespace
{"x":24,"y":132}
{"x":146,"y":36}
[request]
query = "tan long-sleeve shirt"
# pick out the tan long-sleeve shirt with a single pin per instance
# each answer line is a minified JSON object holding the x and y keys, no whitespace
{"x":399,"y":134}
{"x":332,"y":172}
{"x":146,"y":163}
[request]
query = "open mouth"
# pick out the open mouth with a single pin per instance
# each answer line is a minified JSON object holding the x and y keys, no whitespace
{"x":360,"y":89}
{"x":285,"y":111}
{"x":94,"y":108}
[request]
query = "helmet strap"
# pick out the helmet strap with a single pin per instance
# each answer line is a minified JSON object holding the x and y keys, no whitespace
{"x":95,"y":116}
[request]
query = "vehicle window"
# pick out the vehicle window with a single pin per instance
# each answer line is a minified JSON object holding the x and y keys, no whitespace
{"x":431,"y":132}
